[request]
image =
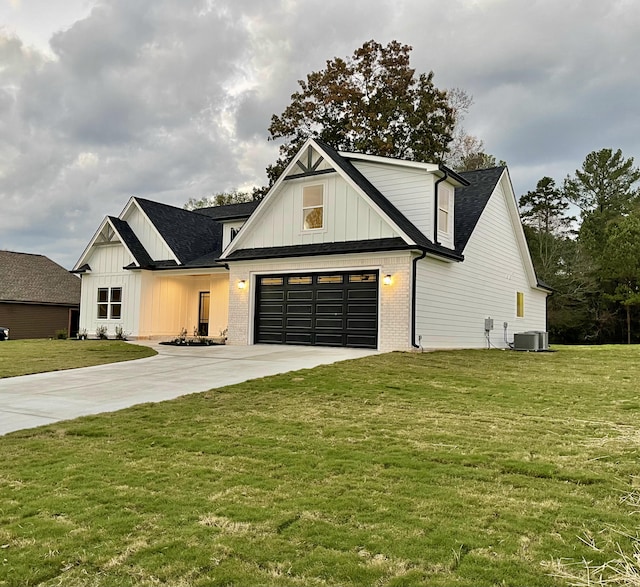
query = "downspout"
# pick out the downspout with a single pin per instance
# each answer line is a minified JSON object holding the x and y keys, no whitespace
{"x":413,"y":299}
{"x":424,"y":254}
{"x":435,"y":206}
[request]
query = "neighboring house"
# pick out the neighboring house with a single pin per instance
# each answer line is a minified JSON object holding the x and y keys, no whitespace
{"x":345,"y":249}
{"x":37,"y":296}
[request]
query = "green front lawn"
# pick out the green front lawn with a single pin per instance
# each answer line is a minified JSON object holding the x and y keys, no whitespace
{"x":23,"y":357}
{"x":447,"y":468}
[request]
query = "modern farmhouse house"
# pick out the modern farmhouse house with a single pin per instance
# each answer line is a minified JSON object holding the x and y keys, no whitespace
{"x":346,"y":249}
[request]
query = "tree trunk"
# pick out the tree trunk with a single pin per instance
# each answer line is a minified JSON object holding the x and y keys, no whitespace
{"x":628,"y":324}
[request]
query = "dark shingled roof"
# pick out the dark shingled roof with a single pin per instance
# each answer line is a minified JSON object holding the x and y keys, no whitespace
{"x":29,"y":278}
{"x":336,"y":248}
{"x":230,"y":211}
{"x":188,"y":235}
{"x":128,"y":237}
{"x":470,"y":202}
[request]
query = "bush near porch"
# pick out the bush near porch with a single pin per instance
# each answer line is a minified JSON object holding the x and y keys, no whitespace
{"x":445,"y":468}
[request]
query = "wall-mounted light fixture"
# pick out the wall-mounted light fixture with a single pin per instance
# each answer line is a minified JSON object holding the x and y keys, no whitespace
{"x":242,"y":284}
{"x":386,"y":280}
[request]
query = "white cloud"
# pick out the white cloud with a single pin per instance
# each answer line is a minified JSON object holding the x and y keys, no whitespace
{"x":171,"y":99}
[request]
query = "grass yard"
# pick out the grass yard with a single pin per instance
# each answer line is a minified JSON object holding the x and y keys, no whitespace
{"x":448,"y":468}
{"x":23,"y":357}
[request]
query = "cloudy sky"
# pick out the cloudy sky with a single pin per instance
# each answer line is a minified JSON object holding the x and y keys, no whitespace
{"x":171,"y":99}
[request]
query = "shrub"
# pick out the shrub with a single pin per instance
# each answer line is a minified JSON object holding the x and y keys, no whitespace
{"x":61,"y":334}
{"x":101,"y":332}
{"x":120,"y":333}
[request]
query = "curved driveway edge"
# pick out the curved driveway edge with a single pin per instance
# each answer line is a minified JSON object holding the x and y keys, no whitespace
{"x":34,"y":400}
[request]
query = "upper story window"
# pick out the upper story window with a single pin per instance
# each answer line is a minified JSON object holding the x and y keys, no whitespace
{"x":109,"y":303}
{"x":445,"y":202}
{"x":312,"y":207}
{"x":230,"y":231}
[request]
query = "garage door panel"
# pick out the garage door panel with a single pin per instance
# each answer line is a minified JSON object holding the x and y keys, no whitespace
{"x":362,"y":341}
{"x":362,"y":308}
{"x":361,"y":324}
{"x":277,"y":323}
{"x":276,"y":309}
{"x":272,"y":337}
{"x":362,"y":294}
{"x":330,"y":295}
{"x":269,"y":294}
{"x":331,"y":309}
{"x":297,"y":295}
{"x":330,"y":339}
{"x":331,"y":323}
{"x":299,"y":309}
{"x":298,"y":338}
{"x":299,"y":322}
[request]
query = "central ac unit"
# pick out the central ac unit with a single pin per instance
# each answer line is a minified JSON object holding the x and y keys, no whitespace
{"x":526,"y":341}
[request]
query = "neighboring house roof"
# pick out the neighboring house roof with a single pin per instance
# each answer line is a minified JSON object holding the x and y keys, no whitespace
{"x":188,"y":235}
{"x":230,"y":211}
{"x":29,"y":278}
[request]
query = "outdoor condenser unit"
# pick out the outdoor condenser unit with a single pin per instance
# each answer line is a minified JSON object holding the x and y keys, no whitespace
{"x":526,"y":341}
{"x":543,"y":340}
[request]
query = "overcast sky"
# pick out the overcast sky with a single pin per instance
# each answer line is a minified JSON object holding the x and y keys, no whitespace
{"x":171,"y":99}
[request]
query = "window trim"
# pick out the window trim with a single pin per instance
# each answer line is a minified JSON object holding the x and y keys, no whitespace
{"x":322,"y":207}
{"x":443,"y":190}
{"x":109,"y":303}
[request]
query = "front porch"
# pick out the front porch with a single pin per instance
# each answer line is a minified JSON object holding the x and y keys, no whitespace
{"x":177,"y":305}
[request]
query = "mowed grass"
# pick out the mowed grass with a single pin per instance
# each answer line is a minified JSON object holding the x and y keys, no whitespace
{"x":23,"y":357}
{"x":447,"y":468}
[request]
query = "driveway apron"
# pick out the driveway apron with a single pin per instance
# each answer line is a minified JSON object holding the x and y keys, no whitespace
{"x":43,"y":398}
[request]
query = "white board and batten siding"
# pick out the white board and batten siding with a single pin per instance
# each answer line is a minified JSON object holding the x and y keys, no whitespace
{"x":409,"y":190}
{"x":453,"y":299}
{"x":347,"y":216}
{"x":107,"y":262}
{"x":170,"y":303}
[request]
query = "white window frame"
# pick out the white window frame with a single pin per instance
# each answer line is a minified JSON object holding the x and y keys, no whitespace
{"x":443,"y":209}
{"x":110,"y":303}
{"x":322,"y":207}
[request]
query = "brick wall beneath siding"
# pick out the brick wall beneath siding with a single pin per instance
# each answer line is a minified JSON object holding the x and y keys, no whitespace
{"x":395,"y":299}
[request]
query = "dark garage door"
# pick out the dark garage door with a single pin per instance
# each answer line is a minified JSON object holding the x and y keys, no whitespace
{"x":327,"y":309}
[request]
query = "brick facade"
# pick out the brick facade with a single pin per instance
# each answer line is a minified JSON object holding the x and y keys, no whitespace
{"x":395,"y":299}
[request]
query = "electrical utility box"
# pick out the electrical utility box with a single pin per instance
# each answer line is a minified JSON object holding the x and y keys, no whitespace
{"x":488,"y":324}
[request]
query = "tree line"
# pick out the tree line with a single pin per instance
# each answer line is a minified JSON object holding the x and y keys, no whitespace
{"x":584,"y":239}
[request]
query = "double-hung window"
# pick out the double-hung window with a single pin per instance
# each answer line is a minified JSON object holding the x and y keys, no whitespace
{"x":312,"y":207}
{"x":109,"y":303}
{"x":445,"y":198}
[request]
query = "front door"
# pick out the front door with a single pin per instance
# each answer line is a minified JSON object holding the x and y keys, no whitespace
{"x":203,"y":314}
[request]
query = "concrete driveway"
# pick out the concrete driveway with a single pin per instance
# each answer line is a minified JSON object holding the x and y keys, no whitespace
{"x":35,"y":400}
